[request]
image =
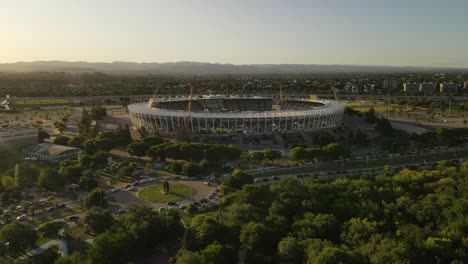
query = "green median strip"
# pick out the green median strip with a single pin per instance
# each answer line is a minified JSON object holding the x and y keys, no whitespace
{"x":431,"y":157}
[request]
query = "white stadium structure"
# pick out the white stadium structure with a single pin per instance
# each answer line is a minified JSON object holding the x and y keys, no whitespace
{"x":219,"y":115}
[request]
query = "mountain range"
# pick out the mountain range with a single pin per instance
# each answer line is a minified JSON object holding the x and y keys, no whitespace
{"x":199,"y":68}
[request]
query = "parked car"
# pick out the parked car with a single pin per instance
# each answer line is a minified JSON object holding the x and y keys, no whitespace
{"x":122,"y":211}
{"x":171,"y":203}
{"x":38,"y":212}
{"x":50,"y":209}
{"x":161,"y":209}
{"x":22,"y":217}
{"x":74,"y":218}
{"x":182,"y":207}
{"x":132,"y":188}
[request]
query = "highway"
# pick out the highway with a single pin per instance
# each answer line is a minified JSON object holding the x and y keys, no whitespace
{"x":361,"y":163}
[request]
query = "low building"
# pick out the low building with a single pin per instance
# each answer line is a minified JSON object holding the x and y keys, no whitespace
{"x":15,"y":138}
{"x":51,"y":152}
{"x":428,"y":88}
{"x":448,"y":87}
{"x":411,"y":88}
{"x":390,"y":85}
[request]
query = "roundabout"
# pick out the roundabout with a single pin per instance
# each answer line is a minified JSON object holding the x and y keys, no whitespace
{"x":155,"y":193}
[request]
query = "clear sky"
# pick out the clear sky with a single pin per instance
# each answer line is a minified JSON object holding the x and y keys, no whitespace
{"x":364,"y":32}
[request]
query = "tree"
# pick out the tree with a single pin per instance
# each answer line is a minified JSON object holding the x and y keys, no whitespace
{"x":42,"y":135}
{"x":298,"y":154}
{"x":50,"y":180}
{"x":76,"y":142}
{"x":98,"y":221}
{"x":217,"y":253}
{"x":384,"y":126}
{"x":71,"y":173}
{"x":237,"y":179}
{"x":51,"y":229}
{"x":88,"y":180}
{"x":48,"y":256}
{"x":96,"y":198}
{"x":25,"y":174}
{"x":189,"y":257}
{"x":257,"y":156}
{"x":153,"y":140}
{"x":290,"y":250}
{"x":32,"y":212}
{"x":358,"y":231}
{"x":138,"y":149}
{"x":272,"y":154}
{"x":123,"y":135}
{"x":90,"y":145}
{"x":328,"y":255}
{"x":20,"y":236}
{"x":255,"y":235}
{"x":104,"y":144}
{"x":256,"y":195}
{"x":203,"y":230}
{"x":192,"y":209}
{"x":324,"y":226}
{"x":191,"y":169}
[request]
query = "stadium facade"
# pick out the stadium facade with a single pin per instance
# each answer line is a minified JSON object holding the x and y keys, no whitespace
{"x":230,"y":115}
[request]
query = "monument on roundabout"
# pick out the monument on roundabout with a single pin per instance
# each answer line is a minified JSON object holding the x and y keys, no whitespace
{"x":166,"y":188}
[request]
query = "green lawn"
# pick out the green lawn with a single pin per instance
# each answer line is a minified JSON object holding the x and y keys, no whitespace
{"x":42,"y":240}
{"x":162,"y":173}
{"x":41,"y":101}
{"x":178,"y":191}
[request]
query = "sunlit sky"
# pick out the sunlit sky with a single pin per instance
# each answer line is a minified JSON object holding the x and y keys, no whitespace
{"x":362,"y":32}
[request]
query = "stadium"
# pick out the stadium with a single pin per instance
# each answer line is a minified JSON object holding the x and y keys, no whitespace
{"x":220,"y":115}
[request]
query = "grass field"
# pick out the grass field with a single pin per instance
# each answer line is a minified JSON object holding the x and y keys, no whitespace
{"x":178,"y":191}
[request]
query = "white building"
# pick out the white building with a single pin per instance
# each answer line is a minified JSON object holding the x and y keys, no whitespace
{"x":51,"y":152}
{"x":14,"y":138}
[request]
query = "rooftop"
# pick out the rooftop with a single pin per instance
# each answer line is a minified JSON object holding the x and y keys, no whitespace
{"x":49,"y":149}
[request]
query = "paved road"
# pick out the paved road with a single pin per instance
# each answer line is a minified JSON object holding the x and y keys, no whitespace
{"x":338,"y":163}
{"x":61,"y":243}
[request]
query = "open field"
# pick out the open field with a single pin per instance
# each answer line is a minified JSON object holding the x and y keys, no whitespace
{"x":178,"y":191}
{"x":38,"y":102}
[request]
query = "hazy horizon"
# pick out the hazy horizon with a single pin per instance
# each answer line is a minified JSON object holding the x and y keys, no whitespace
{"x":397,"y":33}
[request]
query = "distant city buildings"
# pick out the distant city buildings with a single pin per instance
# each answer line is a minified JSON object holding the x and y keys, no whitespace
{"x":448,"y":87}
{"x":15,"y":138}
{"x":428,"y":88}
{"x":411,"y":88}
{"x":390,"y":85}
